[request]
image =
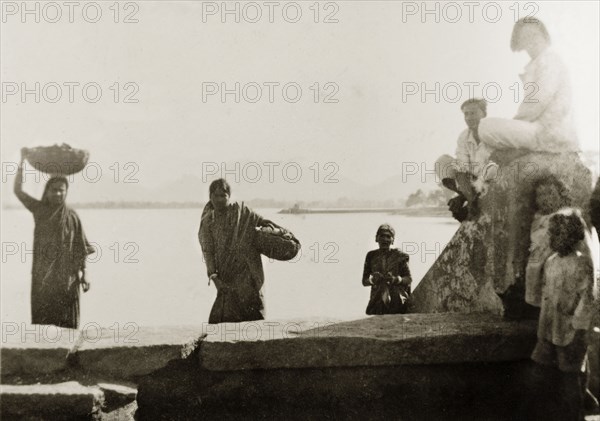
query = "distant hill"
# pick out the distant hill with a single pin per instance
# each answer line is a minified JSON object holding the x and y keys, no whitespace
{"x":189,"y":188}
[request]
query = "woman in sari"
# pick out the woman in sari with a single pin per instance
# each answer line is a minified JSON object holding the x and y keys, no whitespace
{"x":234,"y":265}
{"x":60,"y":248}
{"x":386,"y":272}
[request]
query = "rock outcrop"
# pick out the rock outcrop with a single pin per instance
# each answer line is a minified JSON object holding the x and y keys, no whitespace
{"x":482,"y":258}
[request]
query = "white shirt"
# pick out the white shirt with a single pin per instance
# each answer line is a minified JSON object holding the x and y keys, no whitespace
{"x":471,"y":156}
{"x":547,"y":101}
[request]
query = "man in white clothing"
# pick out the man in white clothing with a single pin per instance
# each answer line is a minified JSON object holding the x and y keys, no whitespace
{"x":467,"y":173}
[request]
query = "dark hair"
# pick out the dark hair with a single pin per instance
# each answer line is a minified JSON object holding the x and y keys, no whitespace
{"x":551,"y":180}
{"x":385,"y":227}
{"x":520,"y":24}
{"x":222,"y":184}
{"x":54,"y":180}
{"x":573,"y":224}
{"x":480,"y":102}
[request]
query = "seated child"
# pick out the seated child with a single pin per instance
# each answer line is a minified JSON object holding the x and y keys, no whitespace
{"x":468,"y":173}
{"x":386,"y":272}
{"x":566,"y":312}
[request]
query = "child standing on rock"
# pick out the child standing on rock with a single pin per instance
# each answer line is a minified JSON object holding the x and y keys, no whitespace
{"x":565,"y":316}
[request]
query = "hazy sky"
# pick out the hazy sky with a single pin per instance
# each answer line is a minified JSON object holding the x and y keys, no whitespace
{"x":369,"y":57}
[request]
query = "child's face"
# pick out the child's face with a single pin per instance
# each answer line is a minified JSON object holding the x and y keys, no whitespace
{"x":473,"y":115}
{"x":547,"y":199}
{"x":385,"y":240}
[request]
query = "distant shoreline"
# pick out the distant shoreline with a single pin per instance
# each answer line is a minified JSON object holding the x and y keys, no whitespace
{"x":437,"y":211}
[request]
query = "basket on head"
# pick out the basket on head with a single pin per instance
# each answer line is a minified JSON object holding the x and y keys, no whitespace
{"x":58,"y":160}
{"x":278,"y":244}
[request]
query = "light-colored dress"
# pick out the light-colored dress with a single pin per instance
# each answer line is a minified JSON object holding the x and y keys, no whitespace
{"x":544,"y":120}
{"x":539,"y":252}
{"x":567,"y":297}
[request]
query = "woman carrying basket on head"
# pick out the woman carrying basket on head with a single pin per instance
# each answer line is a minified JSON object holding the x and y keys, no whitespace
{"x":60,"y":248}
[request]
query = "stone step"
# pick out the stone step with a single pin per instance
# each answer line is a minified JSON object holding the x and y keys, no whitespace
{"x":36,"y":349}
{"x":61,"y":401}
{"x":125,"y":413}
{"x":116,"y":396}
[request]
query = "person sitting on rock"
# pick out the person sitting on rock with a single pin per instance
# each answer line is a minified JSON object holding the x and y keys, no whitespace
{"x":544,"y":121}
{"x":469,"y":172}
{"x":566,"y":314}
{"x":386,"y":272}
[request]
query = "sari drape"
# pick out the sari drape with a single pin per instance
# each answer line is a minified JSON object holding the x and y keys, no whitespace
{"x":226,"y":239}
{"x":60,"y":248}
{"x":387,"y":299}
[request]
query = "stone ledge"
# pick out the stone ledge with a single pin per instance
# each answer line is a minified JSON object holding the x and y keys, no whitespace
{"x":20,"y":361}
{"x":150,"y":349}
{"x":97,"y":352}
{"x":68,"y":400}
{"x":34,"y":348}
{"x":389,"y":340}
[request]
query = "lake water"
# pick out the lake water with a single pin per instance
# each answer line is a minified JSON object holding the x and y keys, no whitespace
{"x":149,"y":268}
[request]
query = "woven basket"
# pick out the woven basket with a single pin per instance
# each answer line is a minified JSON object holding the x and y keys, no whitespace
{"x":58,"y":160}
{"x":274,"y":245}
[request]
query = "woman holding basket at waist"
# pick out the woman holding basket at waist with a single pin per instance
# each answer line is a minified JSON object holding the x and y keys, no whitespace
{"x":233,"y":263}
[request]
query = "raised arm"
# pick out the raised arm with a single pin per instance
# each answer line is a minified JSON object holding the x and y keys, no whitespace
{"x":27,"y":201}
